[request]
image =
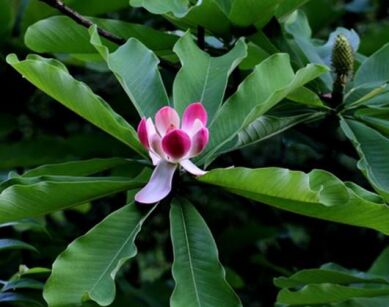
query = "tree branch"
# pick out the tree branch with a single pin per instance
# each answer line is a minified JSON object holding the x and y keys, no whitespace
{"x":60,"y":6}
{"x":81,"y":20}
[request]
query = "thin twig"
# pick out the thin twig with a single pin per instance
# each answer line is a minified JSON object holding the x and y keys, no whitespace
{"x":81,"y":20}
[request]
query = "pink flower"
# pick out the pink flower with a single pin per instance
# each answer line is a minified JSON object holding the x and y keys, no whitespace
{"x":170,"y":146}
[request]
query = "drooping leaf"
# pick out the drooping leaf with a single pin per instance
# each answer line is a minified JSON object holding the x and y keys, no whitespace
{"x":327,"y":293}
{"x":199,"y":276}
{"x":205,"y":78}
{"x":376,"y":118}
{"x":317,"y":194}
{"x":374,"y":69}
{"x":61,"y":34}
{"x":76,"y":168}
{"x":50,"y":77}
{"x":86,"y":269}
{"x":136,"y":68}
{"x":371,"y":147}
{"x":328,"y":273}
{"x":10,"y":297}
{"x":255,"y":96}
{"x":11,"y":244}
{"x":30,"y":197}
{"x":24,"y":283}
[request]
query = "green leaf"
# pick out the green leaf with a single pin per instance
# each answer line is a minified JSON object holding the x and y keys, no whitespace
{"x":247,"y":12}
{"x":207,"y":14}
{"x":267,"y":126}
{"x":22,"y":284}
{"x":77,"y":96}
{"x":371,"y":147}
{"x":317,"y":194}
{"x":177,"y":7}
{"x":37,"y":10}
{"x":326,"y":293}
{"x":11,"y":244}
{"x":255,"y":96}
{"x":374,"y":69}
{"x":86,"y":269}
{"x":376,"y":118}
{"x":76,"y":168}
{"x":136,"y":68}
{"x":10,"y":297}
{"x":203,"y":78}
{"x":7,"y":18}
{"x":297,"y":25}
{"x":61,"y":34}
{"x":381,"y":265}
{"x":288,"y":6}
{"x":30,"y":197}
{"x":199,"y":276}
{"x":328,"y":273}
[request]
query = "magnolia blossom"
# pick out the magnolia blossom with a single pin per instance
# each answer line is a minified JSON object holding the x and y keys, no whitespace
{"x":170,"y":145}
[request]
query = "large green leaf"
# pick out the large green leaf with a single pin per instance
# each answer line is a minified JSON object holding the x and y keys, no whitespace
{"x":76,"y":168}
{"x":86,"y":269}
{"x":317,"y":194}
{"x":29,"y":197}
{"x":61,"y":34}
{"x":202,"y":77}
{"x":375,"y":68}
{"x":246,"y":12}
{"x":297,"y":25}
{"x":51,"y":77}
{"x":136,"y":68}
{"x":37,"y":10}
{"x":372,"y":148}
{"x":199,"y":276}
{"x":267,"y":126}
{"x":378,"y":118}
{"x":255,"y":96}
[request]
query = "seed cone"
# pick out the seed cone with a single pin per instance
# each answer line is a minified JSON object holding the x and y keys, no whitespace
{"x":342,"y":56}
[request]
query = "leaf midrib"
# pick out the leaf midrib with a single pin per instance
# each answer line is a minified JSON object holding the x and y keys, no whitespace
{"x":190,"y":257}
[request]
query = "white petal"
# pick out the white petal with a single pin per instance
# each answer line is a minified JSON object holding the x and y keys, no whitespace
{"x":190,"y":167}
{"x":154,"y":158}
{"x":159,"y":185}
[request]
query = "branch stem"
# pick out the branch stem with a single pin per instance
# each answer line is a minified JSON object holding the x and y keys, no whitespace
{"x":60,"y":6}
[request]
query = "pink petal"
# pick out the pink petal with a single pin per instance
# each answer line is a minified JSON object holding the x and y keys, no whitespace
{"x":176,"y":144}
{"x":192,"y":112}
{"x":166,"y":120}
{"x":190,"y":167}
{"x":159,"y":185}
{"x":199,"y":141}
{"x":142,"y":133}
